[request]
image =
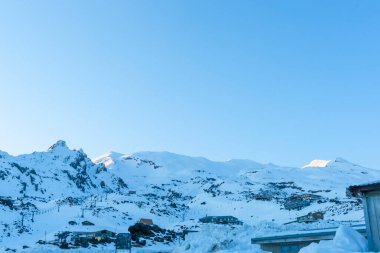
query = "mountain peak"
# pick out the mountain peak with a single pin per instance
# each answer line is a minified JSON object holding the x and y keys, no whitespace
{"x":317,"y":163}
{"x":58,"y":145}
{"x":327,"y":163}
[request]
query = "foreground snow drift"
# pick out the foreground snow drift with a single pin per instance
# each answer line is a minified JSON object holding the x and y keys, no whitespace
{"x":214,"y":239}
{"x":346,"y":240}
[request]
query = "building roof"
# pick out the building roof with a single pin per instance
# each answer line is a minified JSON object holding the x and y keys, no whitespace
{"x":146,"y":221}
{"x":220,"y":217}
{"x":355,"y":190}
{"x":303,"y":236}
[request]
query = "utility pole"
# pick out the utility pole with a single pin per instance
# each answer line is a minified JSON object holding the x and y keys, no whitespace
{"x":22,"y":219}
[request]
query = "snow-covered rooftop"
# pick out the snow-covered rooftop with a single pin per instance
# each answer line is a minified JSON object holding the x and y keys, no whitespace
{"x":365,"y":187}
{"x":306,"y":235}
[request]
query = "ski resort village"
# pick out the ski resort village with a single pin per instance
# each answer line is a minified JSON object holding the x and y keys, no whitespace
{"x":60,"y":200}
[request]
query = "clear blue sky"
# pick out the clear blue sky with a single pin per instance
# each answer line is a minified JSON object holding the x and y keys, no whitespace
{"x":272,"y":81}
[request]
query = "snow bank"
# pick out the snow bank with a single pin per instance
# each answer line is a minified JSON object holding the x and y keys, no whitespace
{"x":346,"y":240}
{"x":215,"y":239}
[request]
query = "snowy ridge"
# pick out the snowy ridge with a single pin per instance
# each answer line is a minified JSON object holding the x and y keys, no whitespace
{"x":214,"y":186}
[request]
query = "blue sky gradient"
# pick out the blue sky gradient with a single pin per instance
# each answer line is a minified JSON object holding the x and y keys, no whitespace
{"x":272,"y":81}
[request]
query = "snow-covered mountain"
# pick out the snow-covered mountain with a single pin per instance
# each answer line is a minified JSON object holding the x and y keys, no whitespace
{"x":57,"y":173}
{"x":41,"y":192}
{"x":243,"y":188}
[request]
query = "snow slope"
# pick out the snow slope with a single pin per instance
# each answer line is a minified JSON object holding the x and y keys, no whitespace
{"x":237,"y":187}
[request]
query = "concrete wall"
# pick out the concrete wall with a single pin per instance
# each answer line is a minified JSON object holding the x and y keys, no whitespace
{"x":372,"y":216}
{"x":285,"y":247}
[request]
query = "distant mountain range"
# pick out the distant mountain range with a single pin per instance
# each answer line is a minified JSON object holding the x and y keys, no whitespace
{"x":115,"y":190}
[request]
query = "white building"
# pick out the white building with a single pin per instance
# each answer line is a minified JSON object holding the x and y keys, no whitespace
{"x":370,"y":194}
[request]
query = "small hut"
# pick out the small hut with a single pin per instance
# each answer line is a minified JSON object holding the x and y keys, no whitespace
{"x":83,"y":238}
{"x":146,"y":221}
{"x":87,"y":223}
{"x":221,"y":220}
{"x":370,"y":194}
{"x":310,"y":217}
